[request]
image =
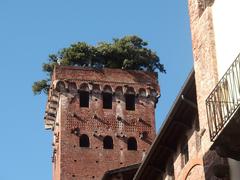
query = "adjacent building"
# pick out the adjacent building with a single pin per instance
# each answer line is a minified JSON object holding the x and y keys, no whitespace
{"x":206,"y":144}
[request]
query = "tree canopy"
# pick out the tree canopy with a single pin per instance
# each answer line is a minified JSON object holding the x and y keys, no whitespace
{"x":129,"y":52}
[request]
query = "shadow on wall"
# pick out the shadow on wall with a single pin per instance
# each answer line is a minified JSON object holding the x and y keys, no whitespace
{"x":215,"y":167}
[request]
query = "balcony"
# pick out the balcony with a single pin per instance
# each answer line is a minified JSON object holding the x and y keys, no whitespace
{"x":223,"y":109}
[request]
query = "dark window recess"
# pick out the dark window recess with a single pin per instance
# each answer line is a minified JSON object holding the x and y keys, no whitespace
{"x":130,"y":102}
{"x":170,"y":169}
{"x":84,"y":99}
{"x":108,"y":142}
{"x":84,"y":141}
{"x":107,"y":100}
{"x":132,"y":144}
{"x":185,"y":154}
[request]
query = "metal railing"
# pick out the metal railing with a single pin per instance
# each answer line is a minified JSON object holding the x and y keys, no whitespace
{"x":224,"y":100}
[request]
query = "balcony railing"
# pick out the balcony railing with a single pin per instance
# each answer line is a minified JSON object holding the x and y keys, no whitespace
{"x":224,"y":100}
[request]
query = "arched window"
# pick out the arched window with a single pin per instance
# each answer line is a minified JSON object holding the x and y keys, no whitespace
{"x":132,"y":144}
{"x":130,"y":102}
{"x":84,"y":95}
{"x":108,"y":142}
{"x":107,"y":97}
{"x":84,"y":141}
{"x":130,"y":99}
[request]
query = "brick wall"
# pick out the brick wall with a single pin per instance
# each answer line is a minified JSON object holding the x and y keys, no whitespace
{"x":205,"y":64}
{"x":206,"y":74}
{"x":201,"y":158}
{"x":74,"y":162}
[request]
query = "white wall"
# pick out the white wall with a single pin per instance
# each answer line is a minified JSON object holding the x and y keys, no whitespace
{"x":234,"y":169}
{"x":226,"y":24}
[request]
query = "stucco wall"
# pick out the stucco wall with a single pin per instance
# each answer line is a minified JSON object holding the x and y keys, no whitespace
{"x":227,"y":32}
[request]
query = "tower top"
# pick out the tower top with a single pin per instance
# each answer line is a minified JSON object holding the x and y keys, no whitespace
{"x":69,"y":80}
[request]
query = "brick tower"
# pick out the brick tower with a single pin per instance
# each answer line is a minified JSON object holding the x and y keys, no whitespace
{"x":101,"y":119}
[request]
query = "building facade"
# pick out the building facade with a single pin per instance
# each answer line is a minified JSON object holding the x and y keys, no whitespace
{"x":207,"y":146}
{"x":102,"y":119}
{"x":215,"y":41}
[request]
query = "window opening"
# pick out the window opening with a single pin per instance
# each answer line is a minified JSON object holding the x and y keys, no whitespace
{"x":170,"y":169}
{"x":130,"y":102}
{"x":132,"y":144}
{"x":84,"y":141}
{"x":108,"y":142}
{"x":84,"y":99}
{"x":185,"y":154}
{"x":107,"y":100}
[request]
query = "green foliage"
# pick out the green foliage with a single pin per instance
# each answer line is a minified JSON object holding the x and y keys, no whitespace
{"x":129,"y":52}
{"x":40,"y":86}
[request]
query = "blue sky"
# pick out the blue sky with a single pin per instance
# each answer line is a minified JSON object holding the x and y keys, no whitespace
{"x":30,"y":30}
